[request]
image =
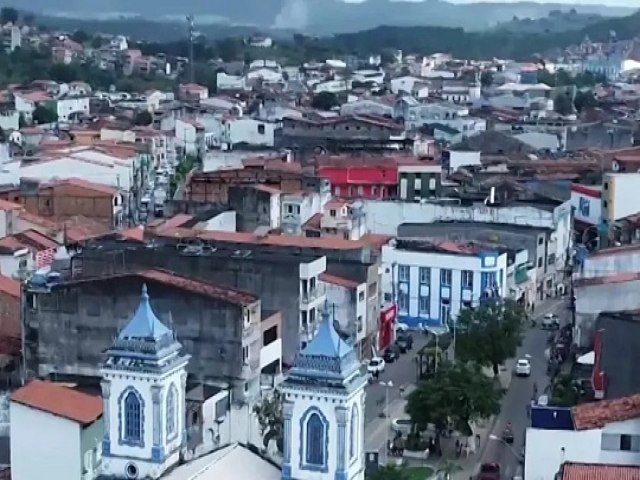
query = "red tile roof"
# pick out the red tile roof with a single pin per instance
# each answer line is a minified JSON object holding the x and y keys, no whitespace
{"x":339,"y":281}
{"x":589,"y":471}
{"x":59,"y":401}
{"x":597,"y":414}
{"x":10,"y":245}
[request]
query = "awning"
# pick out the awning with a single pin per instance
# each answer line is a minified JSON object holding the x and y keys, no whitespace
{"x":587,"y":358}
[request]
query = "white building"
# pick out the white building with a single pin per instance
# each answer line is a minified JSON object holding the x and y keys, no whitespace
{"x":55,"y":433}
{"x":431,"y":282}
{"x":67,"y":107}
{"x":323,"y":410}
{"x":404,"y":84}
{"x":366,"y":106}
{"x":249,"y":131}
{"x":143,"y":390}
{"x":605,"y":432}
{"x":368,"y":76}
{"x":312,"y":296}
{"x":445,"y":114}
{"x":230,"y":82}
{"x":9,"y":119}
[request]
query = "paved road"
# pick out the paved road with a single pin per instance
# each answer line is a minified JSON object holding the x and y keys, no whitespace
{"x":519,"y":394}
{"x":401,"y":373}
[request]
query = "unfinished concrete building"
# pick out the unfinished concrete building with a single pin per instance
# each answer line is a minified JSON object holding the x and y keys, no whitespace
{"x":69,"y":322}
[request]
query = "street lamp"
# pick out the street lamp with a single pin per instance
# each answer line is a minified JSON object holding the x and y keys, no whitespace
{"x":387,"y":385}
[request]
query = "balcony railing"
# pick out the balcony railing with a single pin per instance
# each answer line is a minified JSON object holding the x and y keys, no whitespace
{"x":313,"y":294}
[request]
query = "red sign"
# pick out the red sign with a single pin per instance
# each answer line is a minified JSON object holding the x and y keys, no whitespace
{"x":385,"y":327}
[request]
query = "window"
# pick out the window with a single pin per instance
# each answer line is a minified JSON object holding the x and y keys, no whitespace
{"x":445,"y":277}
{"x":261,"y":129}
{"x":445,"y":311}
{"x":374,"y":191}
{"x":540,"y":240}
{"x":551,"y":259}
{"x":359,"y":323}
{"x":270,"y":335}
{"x":403,"y":273}
{"x":360,"y":190}
{"x":245,"y":355}
{"x":315,"y":440}
{"x":625,"y":443}
{"x":332,"y":213}
{"x":361,"y":296}
{"x":132,"y":407}
{"x":423,"y":305}
{"x":467,"y":279}
{"x":336,"y":190}
{"x":606,"y":185}
{"x":540,"y":262}
{"x":22,"y":263}
{"x":172,"y":415}
{"x":425,"y":275}
{"x":403,"y":301}
{"x":605,"y":204}
{"x":353,"y":444}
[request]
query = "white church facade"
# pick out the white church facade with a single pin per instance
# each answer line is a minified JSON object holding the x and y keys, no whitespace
{"x":141,"y":417}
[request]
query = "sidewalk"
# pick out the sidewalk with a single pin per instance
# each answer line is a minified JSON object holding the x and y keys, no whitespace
{"x":378,"y":432}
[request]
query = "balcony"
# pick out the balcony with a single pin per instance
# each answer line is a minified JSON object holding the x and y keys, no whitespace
{"x":307,"y":298}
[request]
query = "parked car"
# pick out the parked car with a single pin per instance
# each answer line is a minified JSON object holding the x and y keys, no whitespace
{"x":402,"y":425}
{"x":391,"y":354}
{"x":550,"y":322}
{"x":489,"y":471}
{"x":404,"y":342}
{"x":376,"y":365}
{"x":523,"y":367}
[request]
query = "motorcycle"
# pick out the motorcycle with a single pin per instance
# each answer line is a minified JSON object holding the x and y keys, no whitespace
{"x":507,"y":434}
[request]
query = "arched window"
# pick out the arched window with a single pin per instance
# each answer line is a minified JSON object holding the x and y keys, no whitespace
{"x":355,"y":421}
{"x":315,"y":451}
{"x":132,"y":417}
{"x":172,"y":417}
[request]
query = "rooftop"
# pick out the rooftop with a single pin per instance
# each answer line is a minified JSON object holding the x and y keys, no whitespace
{"x":598,"y":414}
{"x":447,"y":247}
{"x":594,"y":471}
{"x":59,"y":401}
{"x":339,"y":281}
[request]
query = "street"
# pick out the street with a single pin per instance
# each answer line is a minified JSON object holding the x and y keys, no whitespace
{"x":402,"y":373}
{"x":519,"y":394}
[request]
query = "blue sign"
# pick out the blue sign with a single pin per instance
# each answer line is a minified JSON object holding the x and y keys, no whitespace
{"x":583,"y":206}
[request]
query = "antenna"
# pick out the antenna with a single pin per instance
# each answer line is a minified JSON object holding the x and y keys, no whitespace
{"x":190,"y":22}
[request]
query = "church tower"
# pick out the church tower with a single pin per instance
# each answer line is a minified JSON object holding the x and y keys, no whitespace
{"x":143,"y":389}
{"x":323,"y":410}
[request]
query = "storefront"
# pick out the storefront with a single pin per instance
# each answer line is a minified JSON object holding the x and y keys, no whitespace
{"x":386,"y":326}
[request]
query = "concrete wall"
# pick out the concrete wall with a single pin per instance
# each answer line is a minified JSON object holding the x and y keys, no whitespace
{"x":209,"y":330}
{"x":273,"y":278}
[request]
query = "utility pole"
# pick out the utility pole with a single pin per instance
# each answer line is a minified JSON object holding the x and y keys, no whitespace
{"x":191,"y":40}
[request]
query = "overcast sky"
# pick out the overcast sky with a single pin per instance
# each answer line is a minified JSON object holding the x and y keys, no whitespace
{"x":613,"y":3}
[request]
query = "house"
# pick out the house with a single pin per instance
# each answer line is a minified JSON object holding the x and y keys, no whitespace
{"x":248,"y":131}
{"x":373,"y":77}
{"x":367,"y":106}
{"x":9,"y":117}
{"x":448,"y":117}
{"x":403,"y":84}
{"x":432,"y":281}
{"x":70,"y":429}
{"x":10,"y":330}
{"x":26,"y":102}
{"x":342,"y":219}
{"x":604,"y":433}
{"x":192,"y":92}
{"x":226,"y":82}
{"x":260,"y":42}
{"x":69,"y":107}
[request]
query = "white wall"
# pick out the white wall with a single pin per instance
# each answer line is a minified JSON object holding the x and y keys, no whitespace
{"x":43,"y":445}
{"x":223,"y":222}
{"x":587,"y":208}
{"x":250,"y":131}
{"x":544,"y":455}
{"x":270,"y":353}
{"x":433,"y":291}
{"x":383,"y":217}
{"x":459,"y":159}
{"x":67,"y":106}
{"x":313,"y":269}
{"x":10,"y":264}
{"x":10,"y":120}
{"x":623,"y":192}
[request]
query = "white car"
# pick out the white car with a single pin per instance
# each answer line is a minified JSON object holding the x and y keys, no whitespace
{"x":550,"y":321}
{"x":376,"y":365}
{"x":523,"y":367}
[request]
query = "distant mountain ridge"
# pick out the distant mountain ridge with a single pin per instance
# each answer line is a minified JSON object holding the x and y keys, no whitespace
{"x":315,"y":16}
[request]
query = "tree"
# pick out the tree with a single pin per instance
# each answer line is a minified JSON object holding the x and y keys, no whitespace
{"x":8,"y":15}
{"x":269,"y":414}
{"x":42,"y":115}
{"x":486,"y":78}
{"x":455,"y":395}
{"x":562,"y":103}
{"x":585,"y":100}
{"x":28,"y":18}
{"x":143,"y":118}
{"x":229,"y":49}
{"x":489,"y":334}
{"x":80,"y":36}
{"x":63,"y":73}
{"x":325,"y":101}
{"x":389,"y":472}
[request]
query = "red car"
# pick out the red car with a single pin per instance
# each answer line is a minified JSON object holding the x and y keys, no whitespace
{"x":489,"y":471}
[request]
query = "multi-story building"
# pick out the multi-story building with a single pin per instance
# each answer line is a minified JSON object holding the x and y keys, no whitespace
{"x":443,"y":115}
{"x":380,"y":177}
{"x":431,"y":282}
{"x":342,"y":219}
{"x":221,"y":333}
